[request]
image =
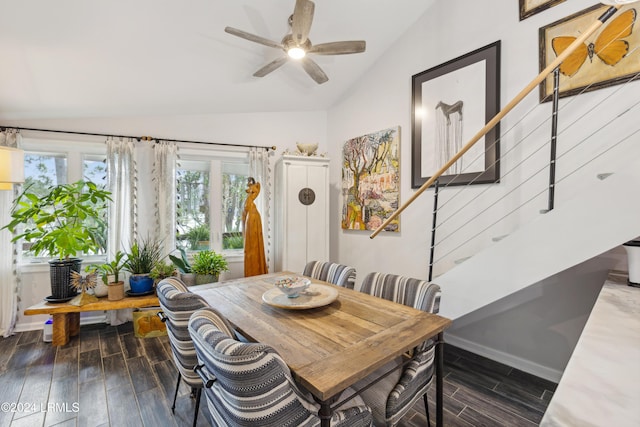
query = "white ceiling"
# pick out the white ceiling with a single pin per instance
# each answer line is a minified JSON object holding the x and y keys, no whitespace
{"x":96,"y":58}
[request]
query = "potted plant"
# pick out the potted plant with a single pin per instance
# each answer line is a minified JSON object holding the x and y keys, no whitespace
{"x":111,"y":271}
{"x":162,"y":270}
{"x":184,"y":267}
{"x":65,"y":222}
{"x":141,"y":258}
{"x":207,"y":265}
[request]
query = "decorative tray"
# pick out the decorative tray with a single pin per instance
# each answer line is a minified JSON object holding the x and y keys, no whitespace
{"x":314,"y":296}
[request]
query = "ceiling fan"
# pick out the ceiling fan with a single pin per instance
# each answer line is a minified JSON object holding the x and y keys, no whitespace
{"x":297,"y":45}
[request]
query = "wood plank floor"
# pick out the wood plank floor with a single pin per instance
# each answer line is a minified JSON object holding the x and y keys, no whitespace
{"x":108,"y":377}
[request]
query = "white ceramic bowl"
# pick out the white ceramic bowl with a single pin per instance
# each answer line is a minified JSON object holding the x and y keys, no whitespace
{"x":292,"y":286}
{"x":308,"y":149}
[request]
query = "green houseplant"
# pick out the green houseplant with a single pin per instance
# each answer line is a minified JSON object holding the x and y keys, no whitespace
{"x":113,"y":269}
{"x":184,"y":267}
{"x":140,"y":260}
{"x":67,"y":221}
{"x":207,"y":265}
{"x":162,"y":270}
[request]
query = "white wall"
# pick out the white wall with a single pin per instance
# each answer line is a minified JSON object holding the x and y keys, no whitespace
{"x":383,"y":99}
{"x":282,"y":130}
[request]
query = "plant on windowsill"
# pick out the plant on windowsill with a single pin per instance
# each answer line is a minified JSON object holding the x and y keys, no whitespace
{"x":65,"y":222}
{"x":184,"y":267}
{"x":140,"y":259}
{"x":207,"y":265}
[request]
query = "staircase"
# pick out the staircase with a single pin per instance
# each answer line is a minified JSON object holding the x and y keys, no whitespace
{"x":593,"y":222}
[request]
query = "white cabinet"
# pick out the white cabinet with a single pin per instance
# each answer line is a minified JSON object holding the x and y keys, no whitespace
{"x":302,"y":211}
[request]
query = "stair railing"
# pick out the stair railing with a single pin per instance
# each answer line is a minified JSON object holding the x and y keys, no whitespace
{"x":448,"y":228}
{"x":500,"y":115}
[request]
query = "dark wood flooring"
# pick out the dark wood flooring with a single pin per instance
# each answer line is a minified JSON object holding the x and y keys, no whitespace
{"x":108,"y":377}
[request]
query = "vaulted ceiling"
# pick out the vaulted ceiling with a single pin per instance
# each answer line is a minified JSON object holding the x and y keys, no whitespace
{"x":89,"y":58}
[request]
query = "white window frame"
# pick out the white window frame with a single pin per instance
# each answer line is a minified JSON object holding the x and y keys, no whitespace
{"x":75,"y":152}
{"x":216,"y":159}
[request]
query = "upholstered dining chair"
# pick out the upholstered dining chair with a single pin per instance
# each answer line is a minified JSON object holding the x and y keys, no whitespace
{"x":392,"y":397}
{"x":248,"y":384}
{"x":337,"y":274}
{"x":178,"y":304}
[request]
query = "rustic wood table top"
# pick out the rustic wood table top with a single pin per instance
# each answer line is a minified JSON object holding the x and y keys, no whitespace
{"x":327,"y":348}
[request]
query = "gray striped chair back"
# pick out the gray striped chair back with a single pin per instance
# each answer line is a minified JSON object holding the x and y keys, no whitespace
{"x":253,"y":386}
{"x":337,"y":274}
{"x":415,"y":293}
{"x":178,"y":304}
{"x":416,"y":376}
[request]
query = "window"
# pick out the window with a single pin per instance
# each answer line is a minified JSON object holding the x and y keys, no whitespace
{"x":210,"y":197}
{"x":49,"y":163}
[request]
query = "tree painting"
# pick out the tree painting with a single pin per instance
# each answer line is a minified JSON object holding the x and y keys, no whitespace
{"x":371,"y":180}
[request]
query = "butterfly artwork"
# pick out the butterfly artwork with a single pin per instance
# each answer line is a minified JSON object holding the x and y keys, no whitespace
{"x":609,"y":46}
{"x":611,"y":55}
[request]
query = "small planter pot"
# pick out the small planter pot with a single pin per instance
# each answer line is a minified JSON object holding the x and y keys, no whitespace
{"x":140,"y":283}
{"x":633,"y":256}
{"x":100,"y":290}
{"x":115,"y":291}
{"x":188,"y":279}
{"x":201,"y":279}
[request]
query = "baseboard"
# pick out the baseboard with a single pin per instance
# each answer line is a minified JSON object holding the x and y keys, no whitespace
{"x":101,"y":317}
{"x":508,"y":359}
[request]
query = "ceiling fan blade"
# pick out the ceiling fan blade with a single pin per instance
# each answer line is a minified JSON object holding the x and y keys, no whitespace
{"x":339,"y":48}
{"x":314,"y":70}
{"x":253,"y":37}
{"x":273,"y":65}
{"x":301,"y":20}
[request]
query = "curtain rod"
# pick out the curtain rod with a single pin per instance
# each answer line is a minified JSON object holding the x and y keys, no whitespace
{"x":139,"y":138}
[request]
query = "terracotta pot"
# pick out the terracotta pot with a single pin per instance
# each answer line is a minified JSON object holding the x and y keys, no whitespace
{"x":116,"y":291}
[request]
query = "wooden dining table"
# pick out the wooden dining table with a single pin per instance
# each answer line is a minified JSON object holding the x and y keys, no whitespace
{"x":331,"y":346}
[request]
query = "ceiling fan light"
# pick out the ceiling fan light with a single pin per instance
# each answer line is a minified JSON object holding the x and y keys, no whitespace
{"x":296,"y":53}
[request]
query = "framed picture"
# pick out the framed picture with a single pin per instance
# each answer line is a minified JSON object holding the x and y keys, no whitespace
{"x":610,"y":56}
{"x":451,"y":103}
{"x":531,"y":7}
{"x":371,"y":180}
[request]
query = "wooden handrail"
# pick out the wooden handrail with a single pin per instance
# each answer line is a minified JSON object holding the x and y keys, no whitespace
{"x":494,"y":121}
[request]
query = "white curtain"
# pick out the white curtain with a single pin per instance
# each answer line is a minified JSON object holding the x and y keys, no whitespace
{"x":164,"y":178}
{"x":121,"y":170}
{"x":9,"y":275}
{"x":260,"y":170}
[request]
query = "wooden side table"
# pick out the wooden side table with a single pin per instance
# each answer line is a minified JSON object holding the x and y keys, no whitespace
{"x":66,"y":317}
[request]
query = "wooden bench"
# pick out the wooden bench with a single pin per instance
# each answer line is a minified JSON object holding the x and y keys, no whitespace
{"x":66,"y":317}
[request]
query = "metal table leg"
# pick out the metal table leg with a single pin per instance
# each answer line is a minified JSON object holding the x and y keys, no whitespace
{"x":439,"y":379}
{"x":326,"y":411}
{"x":325,"y":414}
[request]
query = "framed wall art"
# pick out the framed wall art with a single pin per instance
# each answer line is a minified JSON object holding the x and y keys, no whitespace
{"x":531,"y":7}
{"x":451,"y":103}
{"x":610,"y":56}
{"x":371,"y":180}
